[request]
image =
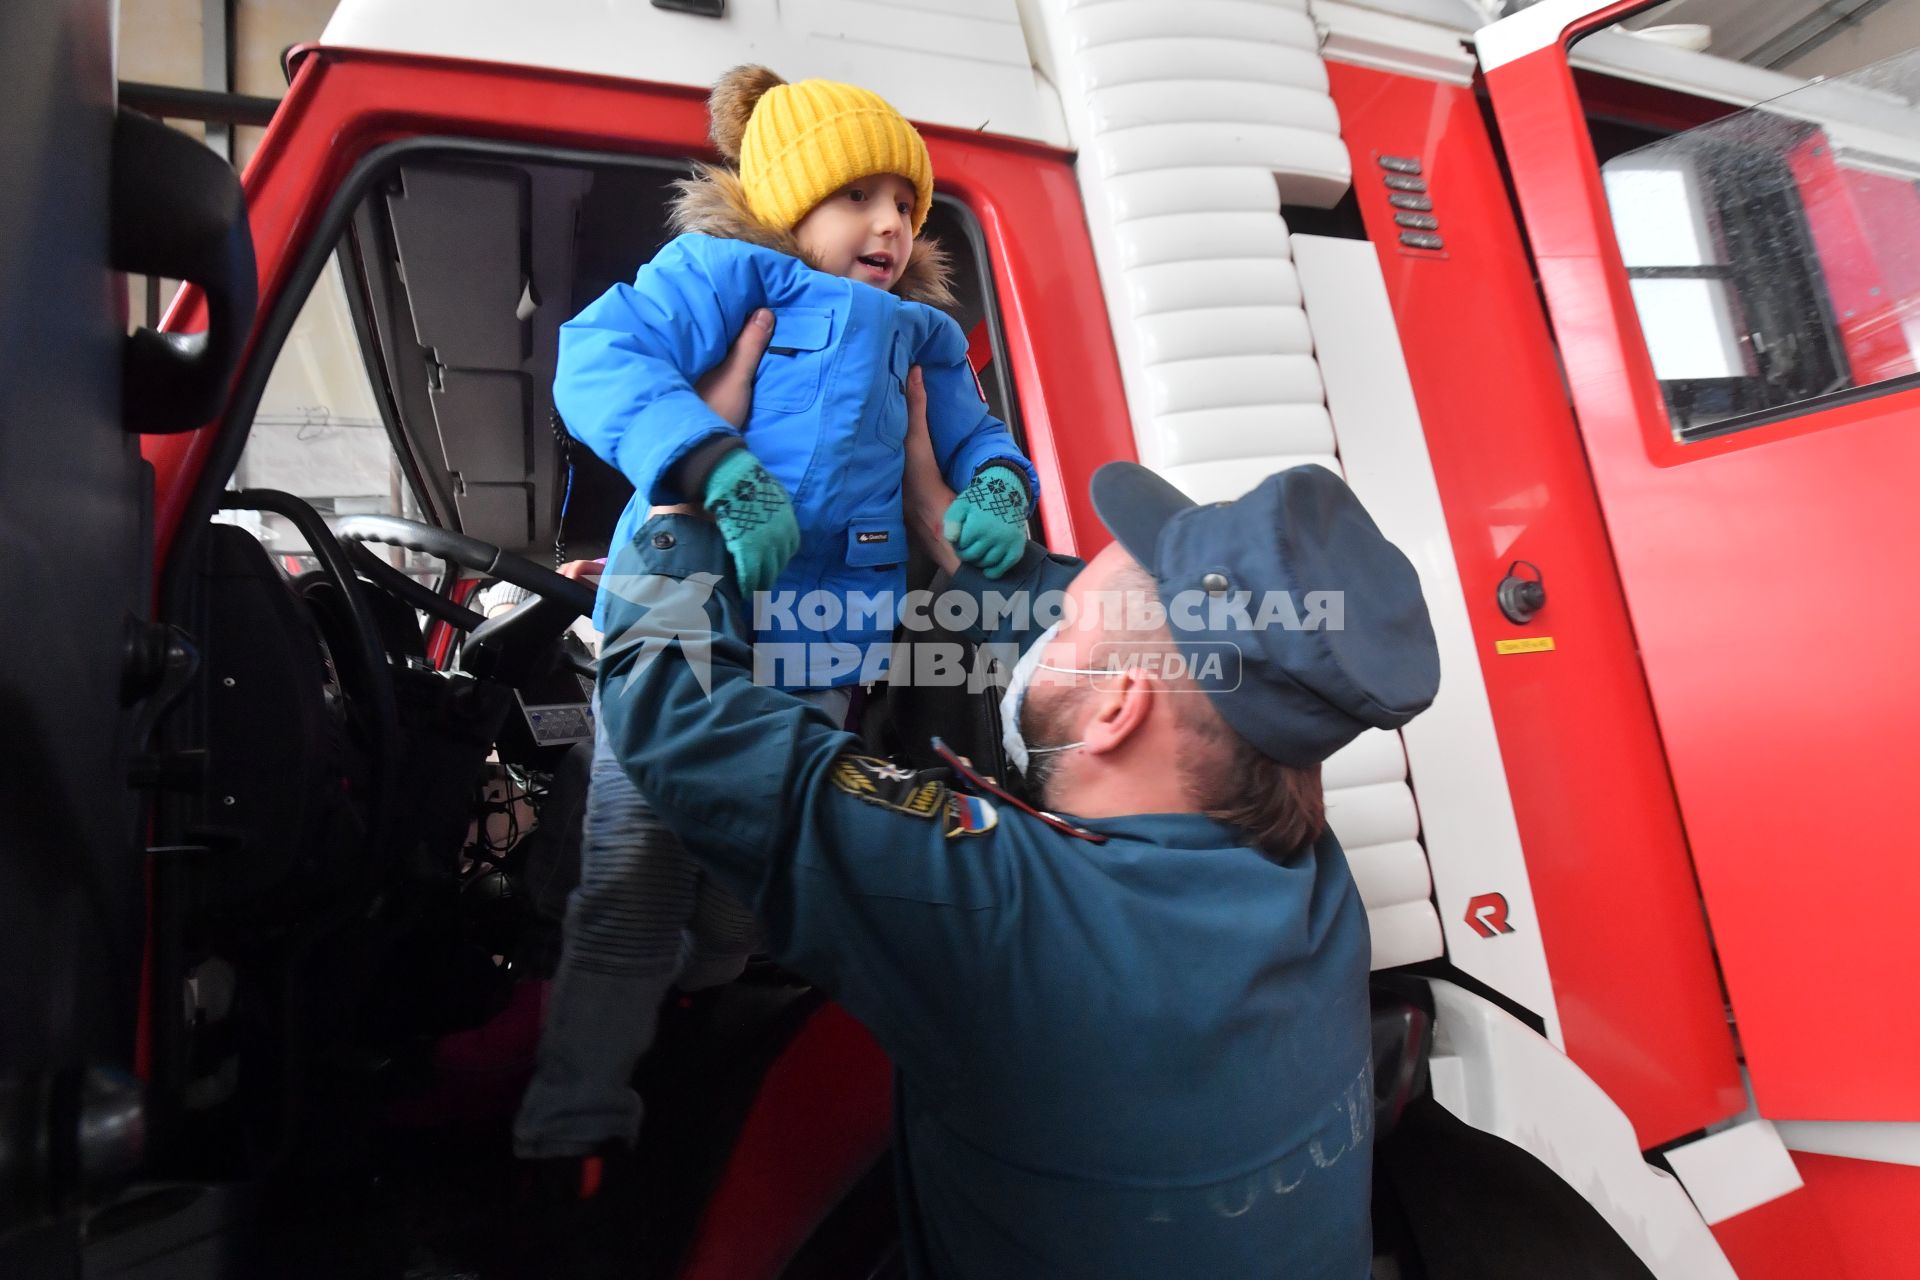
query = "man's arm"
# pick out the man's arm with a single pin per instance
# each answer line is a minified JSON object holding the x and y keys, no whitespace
{"x":926,"y":496}
{"x":966,"y":437}
{"x":925,"y":493}
{"x":867,"y":878}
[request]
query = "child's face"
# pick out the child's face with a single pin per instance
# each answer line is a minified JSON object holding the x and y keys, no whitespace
{"x":863,"y":231}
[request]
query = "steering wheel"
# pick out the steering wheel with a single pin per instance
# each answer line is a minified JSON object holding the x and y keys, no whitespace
{"x":505,"y":648}
{"x":364,"y":669}
{"x":483,"y":558}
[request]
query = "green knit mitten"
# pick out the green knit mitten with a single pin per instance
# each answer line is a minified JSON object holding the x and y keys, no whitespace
{"x":987,"y":523}
{"x":755,"y":516}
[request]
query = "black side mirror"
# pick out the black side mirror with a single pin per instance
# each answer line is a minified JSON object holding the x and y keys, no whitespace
{"x":178,"y":212}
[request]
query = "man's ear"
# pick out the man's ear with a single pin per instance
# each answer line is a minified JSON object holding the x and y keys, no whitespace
{"x":1121,"y":709}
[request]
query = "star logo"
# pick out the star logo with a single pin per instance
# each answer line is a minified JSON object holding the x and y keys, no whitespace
{"x":674,"y":612}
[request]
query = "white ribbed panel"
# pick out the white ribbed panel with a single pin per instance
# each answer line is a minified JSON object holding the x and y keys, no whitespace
{"x":1391,"y":874}
{"x":1249,"y":331}
{"x":1194,"y":121}
{"x":1379,"y":814}
{"x":1225,"y":479}
{"x":1217,"y":102}
{"x":1209,"y":285}
{"x":1219,"y":190}
{"x":1404,"y":933}
{"x":1113,"y":22}
{"x":1372,"y":811}
{"x":1221,"y":435}
{"x":1180,"y":237}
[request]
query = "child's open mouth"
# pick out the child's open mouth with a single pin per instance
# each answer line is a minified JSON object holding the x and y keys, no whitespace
{"x":880,"y":263}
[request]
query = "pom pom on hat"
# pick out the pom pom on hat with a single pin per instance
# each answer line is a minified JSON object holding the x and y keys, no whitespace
{"x":731,"y":105}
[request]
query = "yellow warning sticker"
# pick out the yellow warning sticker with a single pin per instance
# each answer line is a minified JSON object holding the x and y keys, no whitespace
{"x":1531,"y":644}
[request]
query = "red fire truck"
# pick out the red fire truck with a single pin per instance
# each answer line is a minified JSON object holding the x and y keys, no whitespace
{"x":1620,"y":341}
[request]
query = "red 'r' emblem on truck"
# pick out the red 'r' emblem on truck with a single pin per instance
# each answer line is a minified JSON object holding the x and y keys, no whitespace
{"x":1487,"y":914}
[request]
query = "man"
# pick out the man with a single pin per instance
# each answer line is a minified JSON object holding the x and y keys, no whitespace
{"x":1131,"y":1038}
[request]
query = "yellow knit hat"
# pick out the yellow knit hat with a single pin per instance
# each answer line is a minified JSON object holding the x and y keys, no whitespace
{"x":805,"y":141}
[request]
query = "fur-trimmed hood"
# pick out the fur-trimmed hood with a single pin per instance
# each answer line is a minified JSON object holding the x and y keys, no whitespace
{"x":714,"y":203}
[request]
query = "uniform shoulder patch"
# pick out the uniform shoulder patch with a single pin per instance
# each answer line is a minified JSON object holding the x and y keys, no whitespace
{"x":970,"y":815}
{"x":919,"y":794}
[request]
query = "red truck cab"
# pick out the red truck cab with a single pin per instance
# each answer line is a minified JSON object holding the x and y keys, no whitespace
{"x":1626,"y":366}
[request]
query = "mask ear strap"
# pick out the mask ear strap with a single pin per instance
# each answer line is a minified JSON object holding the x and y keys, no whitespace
{"x":1078,"y":671}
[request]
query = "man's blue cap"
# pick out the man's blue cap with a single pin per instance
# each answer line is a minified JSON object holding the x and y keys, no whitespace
{"x":1362,"y":654}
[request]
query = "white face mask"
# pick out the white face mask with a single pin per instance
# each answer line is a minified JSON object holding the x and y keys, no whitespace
{"x":1018,"y":752}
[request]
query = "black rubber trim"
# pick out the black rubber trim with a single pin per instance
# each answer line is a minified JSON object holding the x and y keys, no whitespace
{"x":172,"y":102}
{"x":1801,"y":408}
{"x":419,"y":596}
{"x":999,"y":368}
{"x":1447,"y":971}
{"x":483,"y":558}
{"x":435,"y":500}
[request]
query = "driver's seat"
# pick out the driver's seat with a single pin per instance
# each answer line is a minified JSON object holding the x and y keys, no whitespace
{"x":279,"y":797}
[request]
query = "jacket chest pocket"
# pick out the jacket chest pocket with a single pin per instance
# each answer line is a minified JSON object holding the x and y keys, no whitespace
{"x":789,"y":377}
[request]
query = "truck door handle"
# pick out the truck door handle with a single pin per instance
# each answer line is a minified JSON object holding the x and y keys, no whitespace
{"x":1519,"y":596}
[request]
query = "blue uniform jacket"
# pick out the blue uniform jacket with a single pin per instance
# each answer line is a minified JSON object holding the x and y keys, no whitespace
{"x":829,"y":416}
{"x":1145,"y":1058}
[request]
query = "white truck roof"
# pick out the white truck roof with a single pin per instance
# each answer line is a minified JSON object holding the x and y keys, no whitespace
{"x":962,"y":63}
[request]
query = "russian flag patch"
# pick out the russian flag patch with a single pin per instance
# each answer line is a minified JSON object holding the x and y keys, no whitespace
{"x":969,"y":815}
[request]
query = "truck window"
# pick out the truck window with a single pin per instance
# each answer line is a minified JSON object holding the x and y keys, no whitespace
{"x":318,"y":435}
{"x":464,"y":263}
{"x":1774,"y":255}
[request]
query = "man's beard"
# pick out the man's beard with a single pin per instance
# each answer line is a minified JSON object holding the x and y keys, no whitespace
{"x":1044,"y":726}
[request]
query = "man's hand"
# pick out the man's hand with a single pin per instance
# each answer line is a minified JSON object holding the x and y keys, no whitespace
{"x":925,"y":495}
{"x":728,"y":386}
{"x":987,"y":523}
{"x":754,"y":513}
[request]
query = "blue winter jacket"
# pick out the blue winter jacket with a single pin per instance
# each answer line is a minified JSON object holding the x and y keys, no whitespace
{"x":829,"y":419}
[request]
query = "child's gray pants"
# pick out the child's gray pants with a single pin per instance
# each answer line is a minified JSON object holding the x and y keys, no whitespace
{"x":643,"y":917}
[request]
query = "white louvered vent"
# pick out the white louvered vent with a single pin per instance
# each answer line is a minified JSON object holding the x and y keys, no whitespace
{"x":1194,"y":122}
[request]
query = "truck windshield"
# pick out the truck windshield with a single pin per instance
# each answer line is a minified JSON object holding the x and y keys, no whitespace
{"x":318,"y":434}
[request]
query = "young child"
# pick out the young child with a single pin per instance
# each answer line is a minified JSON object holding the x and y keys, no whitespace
{"x":818,"y":223}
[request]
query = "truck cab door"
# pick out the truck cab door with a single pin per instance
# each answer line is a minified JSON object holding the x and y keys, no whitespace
{"x":81,"y":663}
{"x":1738,"y":335}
